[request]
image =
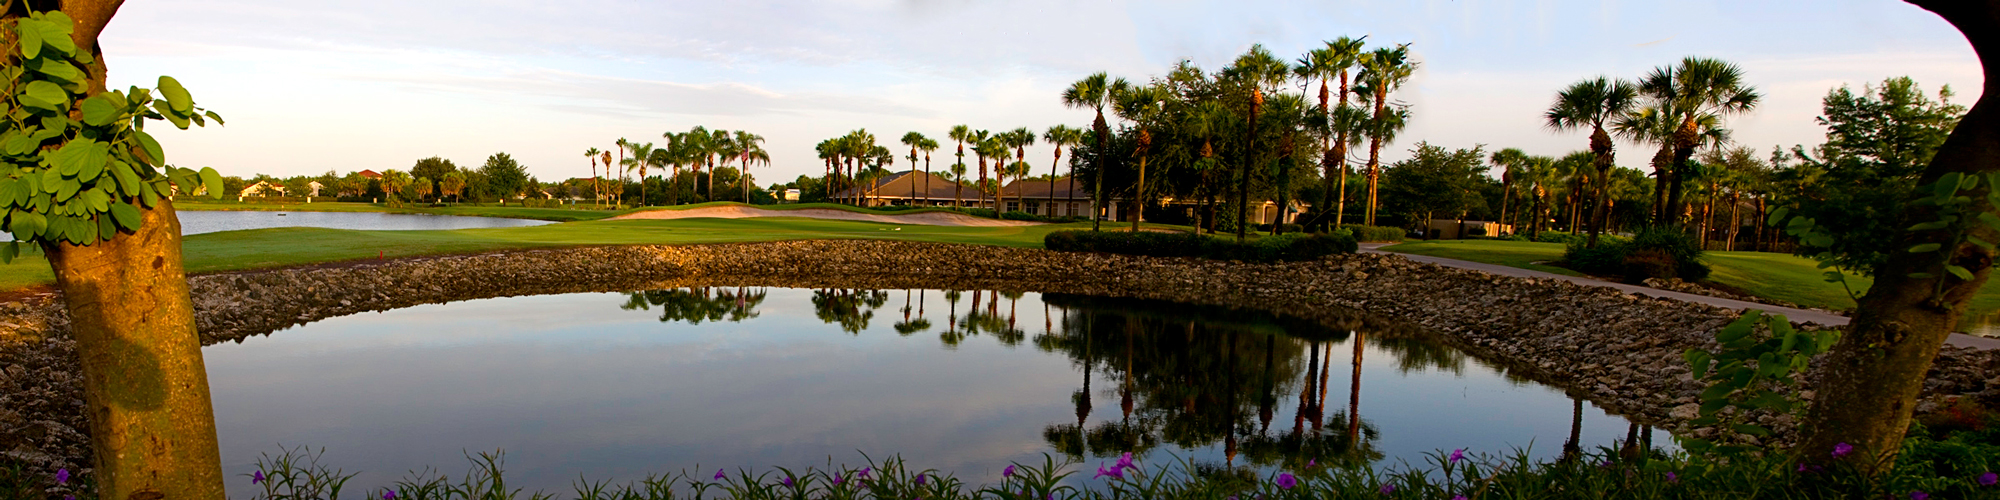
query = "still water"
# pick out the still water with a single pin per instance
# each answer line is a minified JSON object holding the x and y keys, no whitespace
{"x":210,"y":221}
{"x":618,"y":385}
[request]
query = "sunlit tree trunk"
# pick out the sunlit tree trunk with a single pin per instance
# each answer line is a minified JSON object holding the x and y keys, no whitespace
{"x":1601,"y":146}
{"x":1869,"y":383}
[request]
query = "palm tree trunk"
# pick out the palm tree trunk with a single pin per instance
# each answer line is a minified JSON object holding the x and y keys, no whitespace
{"x":927,"y":180}
{"x":1662,"y":174}
{"x":1735,"y":220}
{"x":1055,"y":166}
{"x":1600,"y":143}
{"x":1354,"y":388}
{"x":1249,"y":159}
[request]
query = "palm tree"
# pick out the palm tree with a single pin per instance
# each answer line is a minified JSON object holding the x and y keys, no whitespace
{"x":454,"y":181}
{"x":1141,"y":106}
{"x":1019,"y":139}
{"x":1508,"y":159}
{"x":1695,"y":88}
{"x":622,"y":143}
{"x":642,"y":154}
{"x":927,"y":145}
{"x":1094,"y":92}
{"x":592,"y":155}
{"x":1061,"y":136}
{"x":676,"y":154}
{"x":1326,"y":63}
{"x":393,"y":182}
{"x":958,"y":182}
{"x":982,"y":144}
{"x":423,"y":187}
{"x":1257,"y":68}
{"x":1654,"y":124}
{"x":722,"y":146}
{"x":1590,"y":103}
{"x":915,"y":140}
{"x":749,"y":148}
{"x":605,"y":157}
{"x":1385,"y":70}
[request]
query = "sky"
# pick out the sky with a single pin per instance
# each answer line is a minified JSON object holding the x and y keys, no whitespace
{"x":312,"y":86}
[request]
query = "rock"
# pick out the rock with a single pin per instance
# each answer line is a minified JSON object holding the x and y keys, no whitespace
{"x":1688,"y":411}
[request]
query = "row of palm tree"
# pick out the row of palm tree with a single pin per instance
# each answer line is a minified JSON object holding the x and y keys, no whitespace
{"x":854,"y":158}
{"x":1194,"y":134}
{"x":1678,"y":107}
{"x":697,"y":150}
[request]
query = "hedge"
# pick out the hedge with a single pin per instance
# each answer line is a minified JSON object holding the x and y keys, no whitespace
{"x":1374,"y":233}
{"x":1288,"y":247}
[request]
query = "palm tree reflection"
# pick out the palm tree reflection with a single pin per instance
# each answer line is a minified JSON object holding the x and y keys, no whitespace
{"x":695,"y":305}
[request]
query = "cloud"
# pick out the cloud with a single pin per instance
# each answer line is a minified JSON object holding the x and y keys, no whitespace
{"x":625,"y":97}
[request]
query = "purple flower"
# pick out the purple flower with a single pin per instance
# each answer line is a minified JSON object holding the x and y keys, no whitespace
{"x":1311,"y":462}
{"x":1125,"y":462}
{"x":1456,"y":455}
{"x":1919,"y":495}
{"x":1007,"y":473}
{"x":718,"y":474}
{"x":388,"y":495}
{"x":62,"y":476}
{"x":920,"y":479}
{"x":1114,"y":472}
{"x":1842,"y":449}
{"x":1286,"y":481}
{"x":864,"y":472}
{"x":1388,"y":489}
{"x":69,"y":497}
{"x":1989,"y":479}
{"x":257,"y":477}
{"x":1458,"y":497}
{"x":839,"y":479}
{"x":1671,"y":478}
{"x":788,"y":481}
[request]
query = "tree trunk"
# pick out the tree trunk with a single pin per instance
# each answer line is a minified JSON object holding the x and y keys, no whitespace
{"x":1870,"y":380}
{"x":1662,"y":160}
{"x":145,"y":387}
{"x":1685,"y":140}
{"x":1600,"y":144}
{"x":1735,"y":221}
{"x":1249,"y":158}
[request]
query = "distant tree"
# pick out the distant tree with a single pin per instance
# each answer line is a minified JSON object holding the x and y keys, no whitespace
{"x":1688,"y":93}
{"x":432,"y":168}
{"x":298,"y":186}
{"x":330,"y":184}
{"x":454,"y":183}
{"x":505,"y":178}
{"x":749,"y":149}
{"x":393,"y":182}
{"x":423,"y":187}
{"x":642,"y":157}
{"x":1061,"y":136}
{"x":233,"y":185}
{"x":1383,"y":71}
{"x":1877,"y":143}
{"x":1436,"y":181}
{"x":1590,"y":104}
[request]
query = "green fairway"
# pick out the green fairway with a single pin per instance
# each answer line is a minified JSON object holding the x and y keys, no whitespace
{"x":1773,"y":276}
{"x":291,"y":246}
{"x":584,"y":212}
{"x":1521,"y":254}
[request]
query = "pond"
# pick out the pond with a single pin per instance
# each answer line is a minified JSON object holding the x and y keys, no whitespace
{"x":615,"y":386}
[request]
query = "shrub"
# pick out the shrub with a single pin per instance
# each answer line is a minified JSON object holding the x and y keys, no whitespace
{"x":1559,"y":237}
{"x":1679,"y":247}
{"x":1608,"y":259}
{"x":1288,"y":247}
{"x":1374,"y":233}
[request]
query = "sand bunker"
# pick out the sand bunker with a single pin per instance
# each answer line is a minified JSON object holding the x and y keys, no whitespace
{"x":740,"y":212}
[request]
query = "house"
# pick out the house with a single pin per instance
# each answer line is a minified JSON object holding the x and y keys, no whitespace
{"x":371,"y":174}
{"x":261,"y":188}
{"x":316,"y":186}
{"x":911,"y":187}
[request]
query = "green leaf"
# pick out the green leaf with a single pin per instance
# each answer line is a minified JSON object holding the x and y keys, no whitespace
{"x":1960,"y":272}
{"x":1717,"y":392}
{"x":212,"y":181}
{"x":155,"y":156}
{"x":55,"y":32}
{"x":19,"y":144}
{"x":1739,"y":328}
{"x":177,"y":96}
{"x":147,"y":196}
{"x":1945,"y":185}
{"x":45,"y":95}
{"x":1819,"y":240}
{"x":72,"y":157}
{"x":1777,"y":216}
{"x":1991,"y":220}
{"x":1981,"y":243}
{"x":1929,"y":226}
{"x":106,"y":230}
{"x":1925,"y":248}
{"x":1751,"y":430}
{"x":99,"y":111}
{"x":127,"y":216}
{"x":128,"y":181}
{"x":31,"y":37}
{"x":28,"y":225}
{"x":96,"y":200}
{"x":1697,"y":360}
{"x":57,"y":69}
{"x":218,"y":118}
{"x":8,"y":251}
{"x":180,"y":122}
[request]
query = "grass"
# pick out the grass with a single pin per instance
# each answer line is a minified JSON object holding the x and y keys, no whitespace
{"x":293,"y":246}
{"x":1521,"y":254}
{"x":582,"y":212}
{"x":1774,"y":276}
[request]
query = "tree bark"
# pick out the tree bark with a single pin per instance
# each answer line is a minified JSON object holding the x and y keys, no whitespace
{"x":145,"y":387}
{"x":1600,"y":144}
{"x":1871,"y":379}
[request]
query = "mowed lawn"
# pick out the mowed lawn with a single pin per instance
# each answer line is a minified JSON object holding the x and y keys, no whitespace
{"x":292,"y":246}
{"x":1776,"y":276}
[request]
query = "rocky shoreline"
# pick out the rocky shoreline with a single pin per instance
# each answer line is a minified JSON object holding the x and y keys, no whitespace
{"x":1620,"y":351}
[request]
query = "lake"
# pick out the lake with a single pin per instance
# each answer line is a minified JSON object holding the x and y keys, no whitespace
{"x":615,"y":386}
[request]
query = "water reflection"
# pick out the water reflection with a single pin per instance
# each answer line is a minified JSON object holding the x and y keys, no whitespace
{"x":588,"y":384}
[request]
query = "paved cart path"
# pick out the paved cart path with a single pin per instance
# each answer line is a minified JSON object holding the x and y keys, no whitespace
{"x":1795,"y":314}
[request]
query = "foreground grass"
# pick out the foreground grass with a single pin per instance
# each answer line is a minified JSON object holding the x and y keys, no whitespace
{"x":1768,"y":275}
{"x":294,"y":246}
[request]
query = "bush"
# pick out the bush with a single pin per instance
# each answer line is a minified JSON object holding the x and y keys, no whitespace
{"x":1287,"y":247}
{"x":1653,"y":253}
{"x":1559,"y":237}
{"x":1373,"y":233}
